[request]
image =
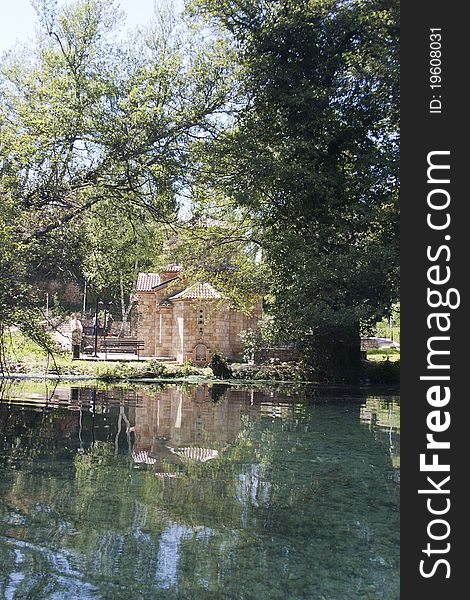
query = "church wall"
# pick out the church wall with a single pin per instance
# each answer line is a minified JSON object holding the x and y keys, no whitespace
{"x":164,"y":331}
{"x":222,"y":332}
{"x":215,"y":332}
{"x":175,"y":330}
{"x":146,"y":322}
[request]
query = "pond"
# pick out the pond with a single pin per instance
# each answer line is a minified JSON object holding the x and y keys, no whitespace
{"x":198,"y":491}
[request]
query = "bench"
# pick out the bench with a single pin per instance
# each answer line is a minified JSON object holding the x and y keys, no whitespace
{"x":122,"y":346}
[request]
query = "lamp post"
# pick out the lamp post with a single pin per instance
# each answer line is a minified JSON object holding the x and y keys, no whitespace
{"x":84,"y":298}
{"x":95,"y":326}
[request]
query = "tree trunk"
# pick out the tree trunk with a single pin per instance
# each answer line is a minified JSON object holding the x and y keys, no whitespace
{"x":336,"y":356}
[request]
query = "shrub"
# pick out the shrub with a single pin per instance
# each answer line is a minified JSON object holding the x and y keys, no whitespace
{"x":188,"y":369}
{"x":114,"y":372}
{"x":252,"y":341}
{"x":220,"y":366}
{"x":384,"y":371}
{"x":284,"y":372}
{"x":155,"y":369}
{"x":255,"y":339}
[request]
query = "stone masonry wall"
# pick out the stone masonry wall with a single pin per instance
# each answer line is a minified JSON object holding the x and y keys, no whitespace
{"x":176,"y":330}
{"x":146,"y":322}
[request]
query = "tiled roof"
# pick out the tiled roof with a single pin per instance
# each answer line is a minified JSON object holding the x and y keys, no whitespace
{"x":147,"y":281}
{"x":172,"y":268}
{"x":194,"y":453}
{"x":198,"y":291}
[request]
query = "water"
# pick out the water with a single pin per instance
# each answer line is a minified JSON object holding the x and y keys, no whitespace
{"x":189,"y":492}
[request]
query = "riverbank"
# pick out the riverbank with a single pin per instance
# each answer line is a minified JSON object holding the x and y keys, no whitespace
{"x":24,"y":359}
{"x":386,"y":372}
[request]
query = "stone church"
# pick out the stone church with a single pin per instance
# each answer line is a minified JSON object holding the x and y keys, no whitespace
{"x":191,"y":323}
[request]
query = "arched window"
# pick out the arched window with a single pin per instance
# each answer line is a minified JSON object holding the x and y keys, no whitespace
{"x":201,"y":353}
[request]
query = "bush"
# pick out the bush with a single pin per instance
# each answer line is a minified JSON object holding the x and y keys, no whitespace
{"x":114,"y":372}
{"x":155,"y":369}
{"x":220,"y":366}
{"x":386,"y":371}
{"x":188,"y":369}
{"x":284,"y":372}
{"x":252,"y":341}
{"x":255,"y":339}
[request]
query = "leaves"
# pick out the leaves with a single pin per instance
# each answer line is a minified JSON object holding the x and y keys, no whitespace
{"x":95,"y":136}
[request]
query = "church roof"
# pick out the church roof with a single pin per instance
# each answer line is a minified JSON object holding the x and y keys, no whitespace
{"x":195,"y":453}
{"x":172,"y":268}
{"x":147,"y":281}
{"x":198,"y":291}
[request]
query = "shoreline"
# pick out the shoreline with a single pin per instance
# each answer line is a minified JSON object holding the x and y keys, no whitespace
{"x":193,"y":380}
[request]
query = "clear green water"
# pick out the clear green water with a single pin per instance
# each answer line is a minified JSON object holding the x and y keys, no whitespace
{"x":198,"y":492}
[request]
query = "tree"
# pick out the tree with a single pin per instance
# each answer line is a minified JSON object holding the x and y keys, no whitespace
{"x":119,"y":244}
{"x":218,"y":243}
{"x":87,"y":119}
{"x":314,"y":155}
{"x":17,"y":303}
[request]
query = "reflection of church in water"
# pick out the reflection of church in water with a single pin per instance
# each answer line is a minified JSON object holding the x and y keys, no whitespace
{"x":177,"y":424}
{"x":169,"y":426}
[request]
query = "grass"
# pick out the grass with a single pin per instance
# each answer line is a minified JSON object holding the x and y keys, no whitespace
{"x":380,"y":354}
{"x":26,"y":357}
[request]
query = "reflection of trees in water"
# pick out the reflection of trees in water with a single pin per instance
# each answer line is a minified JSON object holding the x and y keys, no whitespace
{"x":298,"y":494}
{"x":383,"y":417}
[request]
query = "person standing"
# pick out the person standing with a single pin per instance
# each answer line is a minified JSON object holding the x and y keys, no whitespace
{"x":108,"y":324}
{"x":76,"y":328}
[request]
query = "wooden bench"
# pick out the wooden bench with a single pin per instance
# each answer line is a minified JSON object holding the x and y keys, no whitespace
{"x":122,"y":346}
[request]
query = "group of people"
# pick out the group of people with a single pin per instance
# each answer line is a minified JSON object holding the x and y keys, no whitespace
{"x":76,"y":328}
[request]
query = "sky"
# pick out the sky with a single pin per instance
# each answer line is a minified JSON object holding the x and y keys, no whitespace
{"x":18,"y":18}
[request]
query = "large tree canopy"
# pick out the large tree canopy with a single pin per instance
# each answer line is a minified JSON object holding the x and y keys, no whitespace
{"x":314,"y":154}
{"x":278,"y":118}
{"x":89,"y":117}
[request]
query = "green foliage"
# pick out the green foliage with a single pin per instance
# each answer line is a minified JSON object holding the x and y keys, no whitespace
{"x":220,"y":366}
{"x":252,"y":341}
{"x":255,"y":339}
{"x":157,"y":369}
{"x":152,"y":369}
{"x":94,"y":138}
{"x":119,"y":244}
{"x":314,"y":155}
{"x":389,"y":326}
{"x":284,"y":372}
{"x":218,"y":244}
{"x":385,"y":371}
{"x":18,"y":306}
{"x":187,"y":369}
{"x":115,"y":371}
